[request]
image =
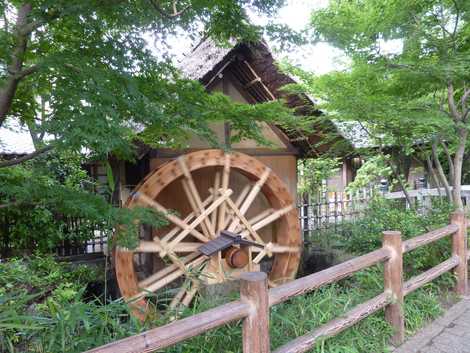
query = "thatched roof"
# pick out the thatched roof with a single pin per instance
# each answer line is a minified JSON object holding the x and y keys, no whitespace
{"x":202,"y":59}
{"x":208,"y":60}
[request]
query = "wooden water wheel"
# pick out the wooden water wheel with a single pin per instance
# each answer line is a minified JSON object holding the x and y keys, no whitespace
{"x":202,"y":194}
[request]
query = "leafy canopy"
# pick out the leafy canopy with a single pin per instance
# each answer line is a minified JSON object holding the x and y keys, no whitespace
{"x":91,"y":80}
{"x":82,"y":77}
{"x":402,"y":93}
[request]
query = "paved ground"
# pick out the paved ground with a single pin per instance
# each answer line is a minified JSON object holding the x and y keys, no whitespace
{"x":448,"y":334}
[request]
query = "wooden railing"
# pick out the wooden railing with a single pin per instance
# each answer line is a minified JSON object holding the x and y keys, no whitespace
{"x":256,"y":299}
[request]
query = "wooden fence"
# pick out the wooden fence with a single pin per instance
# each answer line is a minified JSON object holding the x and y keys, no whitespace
{"x":256,"y":299}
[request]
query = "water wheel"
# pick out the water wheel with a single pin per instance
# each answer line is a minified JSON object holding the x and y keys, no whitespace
{"x":202,"y":194}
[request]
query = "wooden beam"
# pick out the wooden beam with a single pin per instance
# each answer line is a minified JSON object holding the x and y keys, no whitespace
{"x":393,"y":282}
{"x":333,"y":274}
{"x":165,"y":336}
{"x":305,"y":343}
{"x":255,"y":331}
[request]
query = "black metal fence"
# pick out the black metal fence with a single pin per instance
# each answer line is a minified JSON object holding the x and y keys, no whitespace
{"x":82,"y":237}
{"x":327,"y":210}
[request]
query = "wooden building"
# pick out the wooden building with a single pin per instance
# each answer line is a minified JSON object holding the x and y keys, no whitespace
{"x":248,"y":74}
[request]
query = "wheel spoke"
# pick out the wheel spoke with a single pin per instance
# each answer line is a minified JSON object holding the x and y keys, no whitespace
{"x":194,"y":194}
{"x":271,"y":218}
{"x":152,"y":246}
{"x":179,"y":296}
{"x":191,"y":293}
{"x":255,"y":219}
{"x":167,"y":270}
{"x":172,"y":276}
{"x":242,"y":219}
{"x":140,"y":197}
{"x":194,"y":207}
{"x":199,"y":219}
{"x":273,"y":248}
{"x":251,"y":197}
{"x":238,"y":202}
{"x":225,"y":182}
{"x":214,"y":196}
{"x":186,"y":293}
{"x":167,"y":237}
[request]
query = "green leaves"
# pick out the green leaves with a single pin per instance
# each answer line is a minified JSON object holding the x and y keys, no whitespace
{"x":102,"y":86}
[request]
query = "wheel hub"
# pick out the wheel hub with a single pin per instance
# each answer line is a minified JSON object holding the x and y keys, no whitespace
{"x":237,"y":257}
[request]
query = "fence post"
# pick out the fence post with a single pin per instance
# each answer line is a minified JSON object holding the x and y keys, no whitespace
{"x":393,"y":282}
{"x":254,"y":290}
{"x":459,"y":248}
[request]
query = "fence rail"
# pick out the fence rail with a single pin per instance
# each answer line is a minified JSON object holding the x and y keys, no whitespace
{"x":256,"y":299}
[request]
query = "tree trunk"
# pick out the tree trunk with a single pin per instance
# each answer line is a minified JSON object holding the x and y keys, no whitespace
{"x":116,"y":170}
{"x":450,"y":162}
{"x":440,"y":172}
{"x":8,"y":90}
{"x":458,"y":163}
{"x":432,"y":172}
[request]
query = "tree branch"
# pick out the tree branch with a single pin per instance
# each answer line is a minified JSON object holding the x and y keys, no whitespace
{"x":27,"y":157}
{"x":440,"y":171}
{"x":432,"y":172}
{"x":457,"y":18}
{"x":451,"y":102}
{"x":166,"y":14}
{"x":7,"y":92}
{"x":449,"y":160}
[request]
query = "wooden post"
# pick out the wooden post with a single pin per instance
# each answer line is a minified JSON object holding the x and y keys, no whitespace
{"x":459,"y":249}
{"x":254,"y":290}
{"x":393,"y":282}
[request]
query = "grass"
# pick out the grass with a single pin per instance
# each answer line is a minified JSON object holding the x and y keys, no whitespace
{"x":64,"y":322}
{"x":303,"y":314}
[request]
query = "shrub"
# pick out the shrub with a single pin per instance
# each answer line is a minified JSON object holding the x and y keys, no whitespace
{"x":42,"y":309}
{"x":365,"y":234}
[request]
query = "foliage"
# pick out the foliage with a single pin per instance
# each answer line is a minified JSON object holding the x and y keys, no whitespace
{"x":95,"y":83}
{"x":43,"y":308}
{"x":46,"y":194}
{"x":365,"y":234}
{"x":85,"y":81}
{"x":407,"y":83}
{"x":370,"y":172}
{"x":312,"y":172}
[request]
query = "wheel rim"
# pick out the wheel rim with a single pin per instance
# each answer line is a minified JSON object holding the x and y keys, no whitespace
{"x":220,"y":209}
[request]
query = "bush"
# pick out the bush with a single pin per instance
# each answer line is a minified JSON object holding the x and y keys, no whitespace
{"x":43,"y":309}
{"x":43,"y":306}
{"x":365,"y":234}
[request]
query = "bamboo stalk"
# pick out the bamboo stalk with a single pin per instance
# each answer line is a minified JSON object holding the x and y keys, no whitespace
{"x":195,"y":194}
{"x":251,"y":197}
{"x":168,"y":215}
{"x":199,"y":219}
{"x":225,"y":182}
